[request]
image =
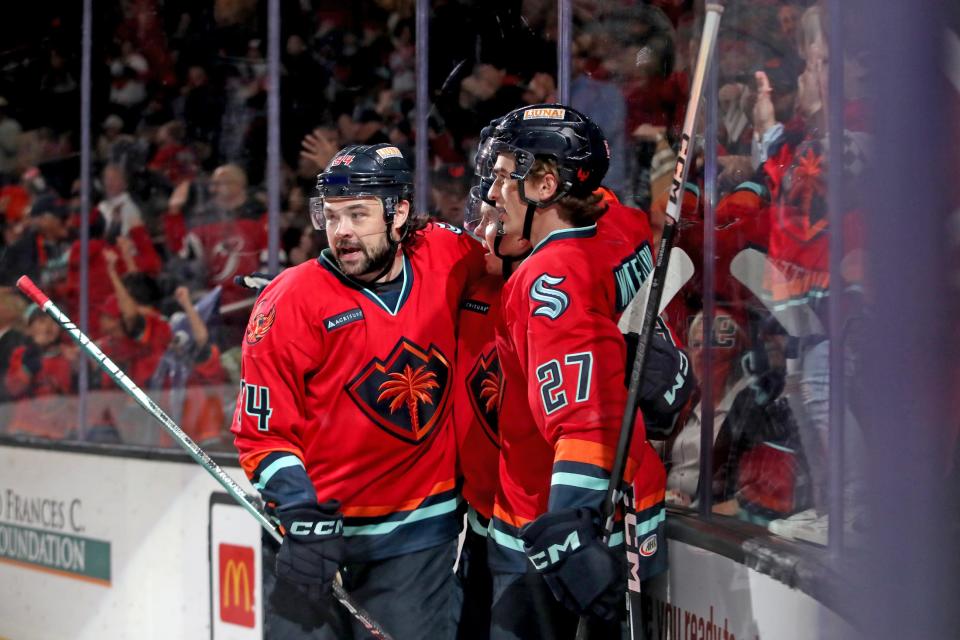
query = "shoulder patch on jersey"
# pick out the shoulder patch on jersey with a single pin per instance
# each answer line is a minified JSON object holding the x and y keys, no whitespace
{"x":476,"y":306}
{"x":405,"y":394}
{"x":260,"y":324}
{"x":553,"y":301}
{"x":343,"y":319}
{"x":449,"y":227}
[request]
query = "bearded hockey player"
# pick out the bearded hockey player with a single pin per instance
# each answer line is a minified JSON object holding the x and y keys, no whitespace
{"x":344,"y":421}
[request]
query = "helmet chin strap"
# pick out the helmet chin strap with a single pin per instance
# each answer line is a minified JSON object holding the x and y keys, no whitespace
{"x":533,"y":205}
{"x":507,"y":262}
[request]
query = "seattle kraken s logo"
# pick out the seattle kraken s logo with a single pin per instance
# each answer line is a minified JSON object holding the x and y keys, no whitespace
{"x":555,"y":302}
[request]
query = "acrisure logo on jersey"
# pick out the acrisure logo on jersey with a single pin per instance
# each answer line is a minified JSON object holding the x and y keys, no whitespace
{"x":554,"y":302}
{"x":484,"y":386}
{"x":542,"y":113}
{"x":649,"y":546}
{"x":343,"y":319}
{"x":259,"y":324}
{"x":406,"y":393}
{"x":476,"y":306}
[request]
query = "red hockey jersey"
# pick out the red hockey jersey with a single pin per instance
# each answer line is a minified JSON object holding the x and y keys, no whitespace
{"x":477,"y":395}
{"x":347,"y":395}
{"x":563,"y":361}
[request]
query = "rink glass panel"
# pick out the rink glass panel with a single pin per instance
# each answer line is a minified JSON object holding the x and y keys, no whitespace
{"x":177,"y":94}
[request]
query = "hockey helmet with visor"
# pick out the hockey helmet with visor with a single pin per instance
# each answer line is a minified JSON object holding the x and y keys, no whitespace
{"x":360,"y":171}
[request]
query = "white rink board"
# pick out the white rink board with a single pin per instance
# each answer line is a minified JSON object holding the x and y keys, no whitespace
{"x":709,"y":596}
{"x":155,"y":517}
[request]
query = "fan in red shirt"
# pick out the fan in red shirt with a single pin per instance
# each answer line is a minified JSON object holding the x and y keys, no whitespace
{"x":132,"y":333}
{"x":41,"y":374}
{"x":218,"y":239}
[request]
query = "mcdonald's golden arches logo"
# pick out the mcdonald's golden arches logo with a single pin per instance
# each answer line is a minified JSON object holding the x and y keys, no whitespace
{"x":237,"y":584}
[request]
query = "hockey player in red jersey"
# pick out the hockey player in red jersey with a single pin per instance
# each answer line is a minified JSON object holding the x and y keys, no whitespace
{"x":344,"y":419}
{"x":563,"y":365}
{"x":477,"y":405}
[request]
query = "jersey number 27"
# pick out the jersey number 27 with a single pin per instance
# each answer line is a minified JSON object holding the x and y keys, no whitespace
{"x":550,"y":377}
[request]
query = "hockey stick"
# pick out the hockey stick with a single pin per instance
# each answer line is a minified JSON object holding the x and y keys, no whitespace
{"x":711,"y":26}
{"x":29,"y":289}
{"x":679,"y":272}
{"x":756,"y":272}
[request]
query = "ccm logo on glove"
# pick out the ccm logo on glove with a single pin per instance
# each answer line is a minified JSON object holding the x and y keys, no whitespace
{"x":321,"y":528}
{"x":552,"y":555}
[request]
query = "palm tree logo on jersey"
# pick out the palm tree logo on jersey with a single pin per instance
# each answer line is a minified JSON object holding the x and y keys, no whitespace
{"x":409,"y":388}
{"x":484,"y":386}
{"x":406,"y":393}
{"x":490,"y":390}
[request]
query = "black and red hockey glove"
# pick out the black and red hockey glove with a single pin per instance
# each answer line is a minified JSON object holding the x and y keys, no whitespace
{"x":312,"y":549}
{"x":584,"y":574}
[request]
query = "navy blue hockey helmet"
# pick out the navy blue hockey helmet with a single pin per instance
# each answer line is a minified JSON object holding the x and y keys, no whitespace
{"x":559,"y":133}
{"x":356,"y":171}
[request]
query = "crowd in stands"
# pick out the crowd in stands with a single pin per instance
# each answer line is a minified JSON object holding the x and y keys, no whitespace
{"x":178,"y":205}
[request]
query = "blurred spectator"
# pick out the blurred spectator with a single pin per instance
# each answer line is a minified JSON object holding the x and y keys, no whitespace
{"x":120,"y":213}
{"x":682,"y":454}
{"x":9,"y":140}
{"x":368,"y":127}
{"x":607,"y":107}
{"x":449,"y":186}
{"x":11,"y":309}
{"x":40,"y":252}
{"x":41,"y":372}
{"x":318,"y":148}
{"x":201,"y":108}
{"x":174,"y":161}
{"x":217,"y":239}
{"x":15,"y":198}
{"x":189,"y":366}
{"x":58,"y":93}
{"x":115,"y":146}
{"x":133,"y":333}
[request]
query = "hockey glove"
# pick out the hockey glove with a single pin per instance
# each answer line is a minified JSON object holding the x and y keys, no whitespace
{"x":584,"y":574}
{"x":666,"y":385}
{"x":312,"y":548}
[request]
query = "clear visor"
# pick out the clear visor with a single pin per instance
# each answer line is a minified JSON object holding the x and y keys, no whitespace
{"x":473,"y":213}
{"x":316,"y":213}
{"x":478,"y":215}
{"x":524,"y":159}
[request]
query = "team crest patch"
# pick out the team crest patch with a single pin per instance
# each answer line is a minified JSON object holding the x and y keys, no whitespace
{"x":543,"y":114}
{"x":406,"y":394}
{"x":553,"y":301}
{"x":484,"y":387}
{"x":389,"y":152}
{"x":260,"y":324}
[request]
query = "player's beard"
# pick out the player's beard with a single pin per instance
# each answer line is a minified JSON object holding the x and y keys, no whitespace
{"x":374,"y":260}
